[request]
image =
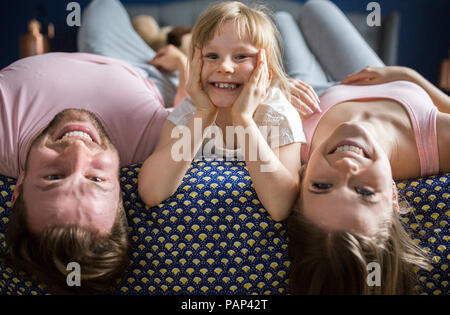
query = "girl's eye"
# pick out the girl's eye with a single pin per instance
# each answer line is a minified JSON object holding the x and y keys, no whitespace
{"x":364,"y":192}
{"x":240,"y":57}
{"x":53,"y":177}
{"x":211,"y":56}
{"x":321,"y":186}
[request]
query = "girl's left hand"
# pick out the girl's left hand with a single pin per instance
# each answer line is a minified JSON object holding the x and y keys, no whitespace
{"x":303,"y":97}
{"x":254,"y":90}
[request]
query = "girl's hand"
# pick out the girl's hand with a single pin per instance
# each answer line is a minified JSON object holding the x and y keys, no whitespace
{"x":303,"y":97}
{"x":254,"y":90}
{"x":377,"y":75}
{"x":169,"y":59}
{"x":194,"y":84}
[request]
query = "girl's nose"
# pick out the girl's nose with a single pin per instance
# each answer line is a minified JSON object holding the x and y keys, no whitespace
{"x":226,"y":66}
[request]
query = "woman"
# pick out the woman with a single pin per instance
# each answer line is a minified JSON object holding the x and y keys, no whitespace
{"x":347,"y":214}
{"x":389,"y":124}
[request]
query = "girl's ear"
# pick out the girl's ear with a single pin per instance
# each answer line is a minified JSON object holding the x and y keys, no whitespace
{"x":18,"y":188}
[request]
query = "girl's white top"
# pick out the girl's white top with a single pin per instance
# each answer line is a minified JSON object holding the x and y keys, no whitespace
{"x":277,"y":119}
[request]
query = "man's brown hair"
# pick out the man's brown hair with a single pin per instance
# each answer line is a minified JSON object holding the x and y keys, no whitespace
{"x":102,"y":258}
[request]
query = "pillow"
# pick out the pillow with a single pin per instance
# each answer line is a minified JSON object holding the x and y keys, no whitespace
{"x":213,"y":236}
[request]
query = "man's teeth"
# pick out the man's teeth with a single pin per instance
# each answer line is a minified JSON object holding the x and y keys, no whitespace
{"x":225,"y":85}
{"x":350,"y":148}
{"x":77,"y":134}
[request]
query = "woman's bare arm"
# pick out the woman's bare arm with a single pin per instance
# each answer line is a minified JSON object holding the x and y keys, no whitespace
{"x":376,"y":75}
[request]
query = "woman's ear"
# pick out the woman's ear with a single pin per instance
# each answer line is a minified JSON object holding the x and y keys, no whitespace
{"x":395,"y":203}
{"x":18,"y":188}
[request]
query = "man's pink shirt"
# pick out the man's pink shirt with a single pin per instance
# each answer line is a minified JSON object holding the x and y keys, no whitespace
{"x":33,"y":90}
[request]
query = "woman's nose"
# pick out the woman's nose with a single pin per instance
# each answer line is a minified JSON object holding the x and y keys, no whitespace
{"x":347,"y":165}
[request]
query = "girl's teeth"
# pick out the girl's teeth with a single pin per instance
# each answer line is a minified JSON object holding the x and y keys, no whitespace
{"x":77,"y":133}
{"x":349,"y":148}
{"x":225,"y":85}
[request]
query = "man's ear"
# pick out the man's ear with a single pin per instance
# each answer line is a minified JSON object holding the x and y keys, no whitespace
{"x":18,"y":188}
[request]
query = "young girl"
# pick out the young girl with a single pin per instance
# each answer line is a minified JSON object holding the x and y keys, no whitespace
{"x":235,"y":82}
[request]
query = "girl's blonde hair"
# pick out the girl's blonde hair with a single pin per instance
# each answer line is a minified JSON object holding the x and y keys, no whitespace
{"x":255,"y":24}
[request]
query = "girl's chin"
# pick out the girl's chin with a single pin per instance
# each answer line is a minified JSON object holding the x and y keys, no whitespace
{"x":222,"y":102}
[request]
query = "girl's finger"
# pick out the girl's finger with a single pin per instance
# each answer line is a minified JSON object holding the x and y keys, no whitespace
{"x":308,"y":96}
{"x":306,"y":88}
{"x":258,"y":71}
{"x":302,"y":107}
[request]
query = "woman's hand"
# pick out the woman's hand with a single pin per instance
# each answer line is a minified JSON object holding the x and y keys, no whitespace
{"x":169,"y":59}
{"x":254,"y":90}
{"x":303,"y":97}
{"x":377,"y":75}
{"x":194,"y":84}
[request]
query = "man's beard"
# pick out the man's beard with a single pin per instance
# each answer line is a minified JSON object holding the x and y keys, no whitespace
{"x":105,"y":140}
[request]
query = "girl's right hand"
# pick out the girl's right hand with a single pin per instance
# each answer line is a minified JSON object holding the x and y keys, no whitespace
{"x":194,"y":84}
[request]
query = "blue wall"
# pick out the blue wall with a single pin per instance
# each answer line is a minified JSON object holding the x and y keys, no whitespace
{"x":424,"y":31}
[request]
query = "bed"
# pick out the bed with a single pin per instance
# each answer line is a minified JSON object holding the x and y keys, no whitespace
{"x":214,"y":237}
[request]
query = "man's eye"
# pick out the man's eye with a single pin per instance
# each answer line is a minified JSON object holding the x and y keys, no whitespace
{"x":53,"y":177}
{"x":96,"y":179}
{"x":364,"y":192}
{"x":321,"y":186}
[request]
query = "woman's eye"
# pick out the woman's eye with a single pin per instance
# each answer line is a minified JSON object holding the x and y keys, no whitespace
{"x":53,"y":177}
{"x":321,"y":186}
{"x":364,"y":192}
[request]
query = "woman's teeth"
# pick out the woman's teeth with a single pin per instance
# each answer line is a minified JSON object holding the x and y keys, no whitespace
{"x":349,"y":148}
{"x":77,"y":134}
{"x":225,"y":85}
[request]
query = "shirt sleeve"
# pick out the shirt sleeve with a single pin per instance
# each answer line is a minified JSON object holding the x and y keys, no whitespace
{"x":183,"y":112}
{"x":278,"y":120}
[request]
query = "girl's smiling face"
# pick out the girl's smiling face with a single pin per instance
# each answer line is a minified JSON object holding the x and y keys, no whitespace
{"x":228,"y":63}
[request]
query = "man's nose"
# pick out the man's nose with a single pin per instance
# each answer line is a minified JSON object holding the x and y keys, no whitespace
{"x":226,"y":65}
{"x":347,"y":165}
{"x":77,"y":154}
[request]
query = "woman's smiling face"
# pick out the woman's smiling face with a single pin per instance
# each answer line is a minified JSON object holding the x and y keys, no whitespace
{"x":228,"y":63}
{"x":347,"y":184}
